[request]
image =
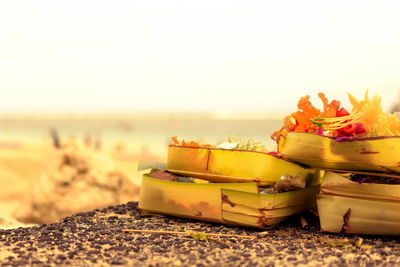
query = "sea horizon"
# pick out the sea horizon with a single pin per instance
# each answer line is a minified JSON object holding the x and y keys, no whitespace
{"x":138,"y":132}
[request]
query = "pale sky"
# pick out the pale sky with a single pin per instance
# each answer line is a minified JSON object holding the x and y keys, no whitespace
{"x":220,"y":56}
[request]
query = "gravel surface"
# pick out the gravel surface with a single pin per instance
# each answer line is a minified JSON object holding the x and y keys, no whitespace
{"x":97,"y":238}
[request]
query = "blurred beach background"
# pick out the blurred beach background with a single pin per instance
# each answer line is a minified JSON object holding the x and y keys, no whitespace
{"x":26,"y":142}
{"x":121,"y":78}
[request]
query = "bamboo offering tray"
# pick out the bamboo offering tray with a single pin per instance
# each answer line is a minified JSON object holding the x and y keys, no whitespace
{"x":234,"y":196}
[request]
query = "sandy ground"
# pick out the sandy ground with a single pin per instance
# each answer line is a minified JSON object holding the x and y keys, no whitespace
{"x":20,"y":167}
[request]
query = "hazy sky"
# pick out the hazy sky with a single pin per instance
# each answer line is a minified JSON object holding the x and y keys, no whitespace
{"x":194,"y":55}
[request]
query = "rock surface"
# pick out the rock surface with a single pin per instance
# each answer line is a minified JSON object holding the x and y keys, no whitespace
{"x":78,"y":179}
{"x":97,"y":238}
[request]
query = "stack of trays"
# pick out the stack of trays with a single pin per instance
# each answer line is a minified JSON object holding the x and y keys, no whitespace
{"x":360,"y":193}
{"x":228,"y":186}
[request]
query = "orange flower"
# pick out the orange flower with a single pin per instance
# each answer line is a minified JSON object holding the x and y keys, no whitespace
{"x":300,"y":121}
{"x":369,"y":113}
{"x":188,"y":144}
